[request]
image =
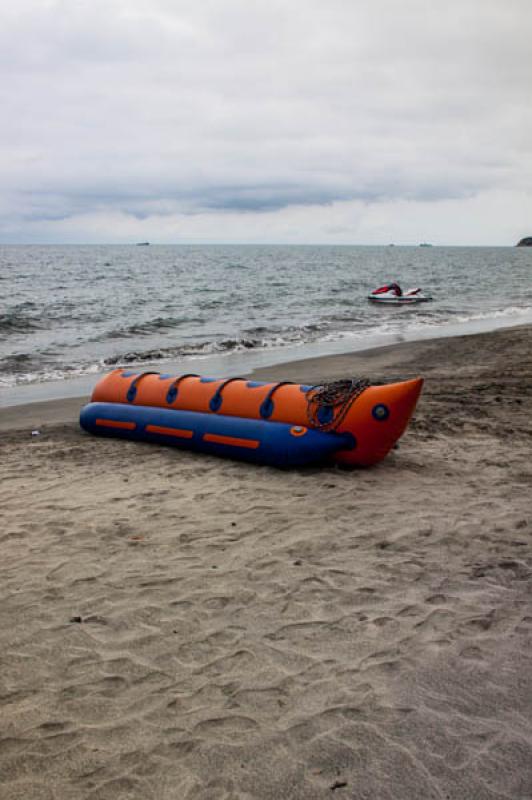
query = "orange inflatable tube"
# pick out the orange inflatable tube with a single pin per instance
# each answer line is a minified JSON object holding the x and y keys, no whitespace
{"x":374,"y":416}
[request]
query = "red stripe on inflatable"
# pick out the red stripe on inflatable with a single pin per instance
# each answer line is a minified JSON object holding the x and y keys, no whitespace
{"x":115,"y":423}
{"x":252,"y":444}
{"x":179,"y":433}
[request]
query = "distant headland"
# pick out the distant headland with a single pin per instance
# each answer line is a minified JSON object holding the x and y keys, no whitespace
{"x":526,"y":242}
{"x":142,"y":244}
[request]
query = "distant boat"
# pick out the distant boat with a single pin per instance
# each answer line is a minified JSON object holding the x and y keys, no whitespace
{"x":142,"y":244}
{"x":425,"y":244}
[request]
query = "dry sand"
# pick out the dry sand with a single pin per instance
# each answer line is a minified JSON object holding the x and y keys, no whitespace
{"x":174,"y":626}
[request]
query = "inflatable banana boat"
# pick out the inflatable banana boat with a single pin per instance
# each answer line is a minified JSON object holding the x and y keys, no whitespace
{"x":281,"y":424}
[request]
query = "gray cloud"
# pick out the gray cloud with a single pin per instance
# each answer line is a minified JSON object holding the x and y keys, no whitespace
{"x":156,"y":109}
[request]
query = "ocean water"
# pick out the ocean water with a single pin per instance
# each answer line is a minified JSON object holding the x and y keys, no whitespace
{"x":71,"y":312}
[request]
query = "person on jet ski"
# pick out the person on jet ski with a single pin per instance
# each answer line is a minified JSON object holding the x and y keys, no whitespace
{"x":390,"y":287}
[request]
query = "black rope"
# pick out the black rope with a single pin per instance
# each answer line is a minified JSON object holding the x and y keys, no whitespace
{"x":337,"y":396}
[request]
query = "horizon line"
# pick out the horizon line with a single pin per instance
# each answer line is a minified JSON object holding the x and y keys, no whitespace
{"x":213,"y":243}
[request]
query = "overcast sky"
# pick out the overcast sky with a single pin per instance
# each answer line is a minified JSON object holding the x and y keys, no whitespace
{"x":319,"y":121}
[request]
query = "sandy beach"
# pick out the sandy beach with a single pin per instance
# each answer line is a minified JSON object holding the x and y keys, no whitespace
{"x":178,"y":627}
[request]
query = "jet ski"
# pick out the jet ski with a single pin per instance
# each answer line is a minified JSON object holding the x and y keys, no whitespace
{"x":391,"y":294}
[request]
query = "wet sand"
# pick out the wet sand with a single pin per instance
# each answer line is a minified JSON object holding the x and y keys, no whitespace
{"x":174,"y":626}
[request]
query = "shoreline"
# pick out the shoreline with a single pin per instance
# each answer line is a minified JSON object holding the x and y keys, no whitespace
{"x":174,"y":624}
{"x":250,"y":362}
{"x":390,"y":362}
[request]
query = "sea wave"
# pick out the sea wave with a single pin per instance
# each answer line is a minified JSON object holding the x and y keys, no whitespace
{"x":39,"y":373}
{"x":511,"y":312}
{"x":20,"y":368}
{"x":16,"y":322}
{"x":254,"y":338}
{"x":28,"y":317}
{"x":149,"y":326}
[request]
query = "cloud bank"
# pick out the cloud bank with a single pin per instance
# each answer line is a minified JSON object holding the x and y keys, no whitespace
{"x":251,"y":121}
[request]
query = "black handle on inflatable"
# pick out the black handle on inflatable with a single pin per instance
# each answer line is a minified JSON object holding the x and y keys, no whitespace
{"x":216,"y":400}
{"x":174,"y":386}
{"x":266,"y":409}
{"x":132,"y":391}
